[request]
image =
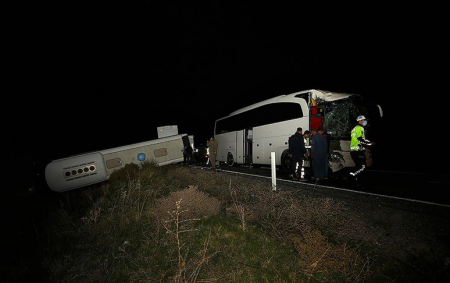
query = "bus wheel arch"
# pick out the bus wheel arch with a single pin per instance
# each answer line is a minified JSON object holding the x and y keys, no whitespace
{"x":230,"y":159}
{"x":285,"y":160}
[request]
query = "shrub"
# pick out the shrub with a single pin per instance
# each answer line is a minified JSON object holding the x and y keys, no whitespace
{"x":193,"y":203}
{"x":129,"y":171}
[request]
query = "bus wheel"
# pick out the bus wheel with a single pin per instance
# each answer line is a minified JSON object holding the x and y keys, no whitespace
{"x":285,"y":160}
{"x":230,"y":159}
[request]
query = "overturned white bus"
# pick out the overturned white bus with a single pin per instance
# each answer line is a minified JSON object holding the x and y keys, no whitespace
{"x":93,"y":167}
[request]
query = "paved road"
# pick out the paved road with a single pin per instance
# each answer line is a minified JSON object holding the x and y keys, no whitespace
{"x":426,"y":187}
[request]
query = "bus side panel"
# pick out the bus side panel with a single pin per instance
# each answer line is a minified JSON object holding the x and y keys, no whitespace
{"x":274,"y":144}
{"x":226,"y":143}
{"x":74,"y":172}
{"x":258,"y":149}
{"x":240,"y":143}
{"x":282,"y":143}
{"x":274,"y":137}
{"x":161,"y":152}
{"x":269,"y":146}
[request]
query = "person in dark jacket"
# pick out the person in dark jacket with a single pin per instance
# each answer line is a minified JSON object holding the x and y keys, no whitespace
{"x":297,"y":152}
{"x":327,"y":137}
{"x":319,"y":154}
{"x":187,"y":154}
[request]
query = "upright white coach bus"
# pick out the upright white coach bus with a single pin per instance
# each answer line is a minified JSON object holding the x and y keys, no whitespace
{"x":249,"y":135}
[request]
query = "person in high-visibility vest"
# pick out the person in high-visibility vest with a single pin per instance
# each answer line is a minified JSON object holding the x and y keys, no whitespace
{"x":358,"y":145}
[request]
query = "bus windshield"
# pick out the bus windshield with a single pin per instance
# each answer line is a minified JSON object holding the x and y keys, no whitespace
{"x":340,"y":115}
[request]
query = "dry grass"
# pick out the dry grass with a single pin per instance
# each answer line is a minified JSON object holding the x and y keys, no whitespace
{"x":291,"y":220}
{"x":192,"y":202}
{"x":322,"y":260}
{"x":176,"y":224}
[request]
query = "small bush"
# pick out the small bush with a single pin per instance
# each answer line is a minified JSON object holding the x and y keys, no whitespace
{"x":322,"y":260}
{"x":193,"y":203}
{"x":176,"y":224}
{"x":129,"y":171}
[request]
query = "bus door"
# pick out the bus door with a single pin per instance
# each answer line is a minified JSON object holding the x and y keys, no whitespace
{"x":240,"y":147}
{"x":244,"y":140}
{"x":248,"y":133}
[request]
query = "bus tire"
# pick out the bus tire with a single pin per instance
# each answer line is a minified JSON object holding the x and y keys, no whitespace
{"x":285,"y":160}
{"x":230,"y":159}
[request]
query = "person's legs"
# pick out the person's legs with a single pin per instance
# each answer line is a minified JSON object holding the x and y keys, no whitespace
{"x":318,"y":167}
{"x":362,"y":160}
{"x":293,"y":166}
{"x":189,"y":159}
{"x":301,"y":169}
{"x":212,"y":157}
{"x":358,"y":159}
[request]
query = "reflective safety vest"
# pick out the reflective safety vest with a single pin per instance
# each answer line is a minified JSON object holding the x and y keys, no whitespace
{"x":307,"y":145}
{"x":357,"y":133}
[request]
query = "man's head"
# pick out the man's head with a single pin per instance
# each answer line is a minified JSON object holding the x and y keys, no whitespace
{"x":320,"y":131}
{"x":362,"y":120}
{"x":299,"y":130}
{"x":314,"y":132}
{"x":307,"y":133}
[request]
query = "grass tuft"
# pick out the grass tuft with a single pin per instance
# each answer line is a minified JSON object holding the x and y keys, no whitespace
{"x":176,"y":224}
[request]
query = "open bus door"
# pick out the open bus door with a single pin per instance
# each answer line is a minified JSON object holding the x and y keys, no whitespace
{"x":244,"y":141}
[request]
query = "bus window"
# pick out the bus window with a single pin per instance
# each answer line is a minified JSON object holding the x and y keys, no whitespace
{"x":263,"y":115}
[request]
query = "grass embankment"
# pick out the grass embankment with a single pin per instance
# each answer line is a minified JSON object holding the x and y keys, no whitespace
{"x":175,"y":224}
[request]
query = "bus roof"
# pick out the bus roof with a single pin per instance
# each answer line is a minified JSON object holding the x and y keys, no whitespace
{"x":317,"y":94}
{"x":329,"y":95}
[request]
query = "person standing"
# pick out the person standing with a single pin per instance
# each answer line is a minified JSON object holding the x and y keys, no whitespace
{"x":358,"y":146}
{"x":212,"y":145}
{"x":318,"y":154}
{"x":200,"y":155}
{"x":297,"y":152}
{"x":327,"y":138}
{"x":187,"y":154}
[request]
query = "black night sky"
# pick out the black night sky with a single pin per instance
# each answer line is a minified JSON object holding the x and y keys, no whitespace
{"x":87,"y":77}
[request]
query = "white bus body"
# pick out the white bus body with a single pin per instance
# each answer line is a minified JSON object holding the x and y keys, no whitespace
{"x":76,"y":171}
{"x":90,"y":168}
{"x":166,"y":131}
{"x":250,"y":134}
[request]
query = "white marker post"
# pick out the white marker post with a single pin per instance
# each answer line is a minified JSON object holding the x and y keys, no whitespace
{"x":274,"y":171}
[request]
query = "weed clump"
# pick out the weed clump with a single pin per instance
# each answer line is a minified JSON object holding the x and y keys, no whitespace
{"x":178,"y":224}
{"x":193,"y":203}
{"x":321,"y":259}
{"x":129,"y":171}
